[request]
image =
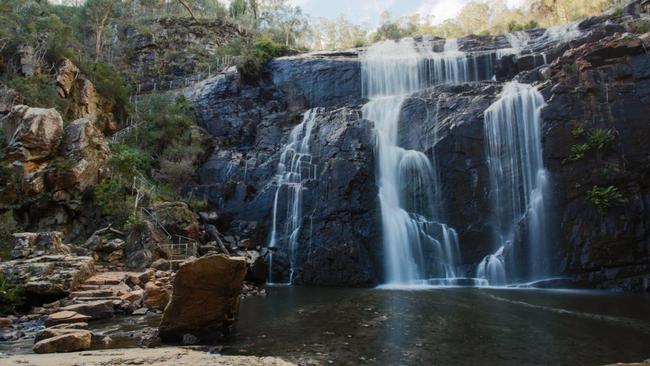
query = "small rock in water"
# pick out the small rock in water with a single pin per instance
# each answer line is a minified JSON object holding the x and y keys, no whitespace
{"x":141,"y":311}
{"x":6,"y":323}
{"x":189,"y":340}
{"x":216,"y":350}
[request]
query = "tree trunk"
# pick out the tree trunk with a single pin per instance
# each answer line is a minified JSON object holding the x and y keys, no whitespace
{"x":100,"y":30}
{"x":187,"y":7}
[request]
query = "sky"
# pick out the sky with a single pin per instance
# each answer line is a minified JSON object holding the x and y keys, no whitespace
{"x":369,"y":11}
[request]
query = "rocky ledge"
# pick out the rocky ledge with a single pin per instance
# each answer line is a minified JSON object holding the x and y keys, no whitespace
{"x":172,"y":356}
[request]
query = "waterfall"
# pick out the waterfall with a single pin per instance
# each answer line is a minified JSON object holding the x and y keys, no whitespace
{"x":492,"y":268}
{"x":518,"y":183}
{"x":449,"y":67}
{"x":296,"y":166}
{"x":418,"y":248}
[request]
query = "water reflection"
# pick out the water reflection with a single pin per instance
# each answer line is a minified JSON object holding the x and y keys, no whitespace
{"x":444,"y":326}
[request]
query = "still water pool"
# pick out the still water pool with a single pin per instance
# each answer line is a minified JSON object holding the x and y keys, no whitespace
{"x":446,"y":326}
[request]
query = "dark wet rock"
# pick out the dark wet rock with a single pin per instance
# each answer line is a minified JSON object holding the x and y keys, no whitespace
{"x":145,"y":246}
{"x":457,"y":140}
{"x":599,"y":79}
{"x":317,"y":79}
{"x":189,"y":340}
{"x":607,"y":248}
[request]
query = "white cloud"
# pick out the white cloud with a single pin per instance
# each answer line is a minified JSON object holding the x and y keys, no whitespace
{"x":441,"y":10}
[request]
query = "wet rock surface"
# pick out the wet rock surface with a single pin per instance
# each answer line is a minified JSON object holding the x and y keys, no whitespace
{"x":606,"y":92}
{"x":593,"y":78}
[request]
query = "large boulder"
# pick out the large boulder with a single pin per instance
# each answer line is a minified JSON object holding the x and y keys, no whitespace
{"x":66,"y":76}
{"x":145,"y":246}
{"x":48,"y":278}
{"x":206,"y":298}
{"x":85,"y":101}
{"x":38,"y":133}
{"x":156,"y":297}
{"x":68,"y":342}
{"x":177,"y":219}
{"x":35,"y":244}
{"x":85,"y":156}
{"x":87,"y":105}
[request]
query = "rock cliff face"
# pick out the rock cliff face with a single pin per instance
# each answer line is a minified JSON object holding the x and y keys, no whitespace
{"x":251,"y":124}
{"x":601,"y":88}
{"x":595,"y":78}
{"x":47,"y":167}
{"x":173,"y":52}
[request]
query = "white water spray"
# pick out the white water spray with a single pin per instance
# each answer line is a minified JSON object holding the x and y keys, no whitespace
{"x":417,"y":247}
{"x":518,"y":183}
{"x":296,"y":166}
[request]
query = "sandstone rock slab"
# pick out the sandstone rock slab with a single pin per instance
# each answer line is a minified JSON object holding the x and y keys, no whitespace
{"x":205,"y":299}
{"x":69,"y":342}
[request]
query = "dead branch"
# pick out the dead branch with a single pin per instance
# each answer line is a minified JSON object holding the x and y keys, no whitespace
{"x":187,"y":6}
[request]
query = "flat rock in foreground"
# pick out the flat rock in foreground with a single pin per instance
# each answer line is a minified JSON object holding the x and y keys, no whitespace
{"x":205,"y":298}
{"x":174,"y":356}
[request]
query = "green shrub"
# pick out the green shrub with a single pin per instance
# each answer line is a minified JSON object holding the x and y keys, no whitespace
{"x":570,"y":69}
{"x":135,"y":222}
{"x":255,"y":59}
{"x":600,"y":138}
{"x":578,"y":132}
{"x":167,"y":120}
{"x":597,"y":139}
{"x":11,"y":296}
{"x":127,"y":160}
{"x":578,"y":152}
{"x":605,"y":198}
{"x":37,"y":91}
{"x":195,"y":203}
{"x":513,"y":26}
{"x":113,"y":199}
{"x":641,"y":26}
{"x":110,"y":84}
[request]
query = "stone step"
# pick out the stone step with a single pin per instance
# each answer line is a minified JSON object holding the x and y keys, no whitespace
{"x":87,"y":287}
{"x":89,"y":299}
{"x":96,"y":309}
{"x":65,"y":317}
{"x":103,"y":281}
{"x":93,"y":293}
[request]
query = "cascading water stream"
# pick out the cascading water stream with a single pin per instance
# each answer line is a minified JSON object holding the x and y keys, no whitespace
{"x":418,"y":249}
{"x":518,"y":183}
{"x":294,"y":169}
